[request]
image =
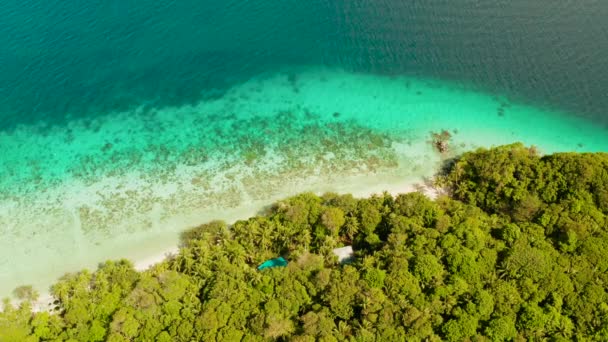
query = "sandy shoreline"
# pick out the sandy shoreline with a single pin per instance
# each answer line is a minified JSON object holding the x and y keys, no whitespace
{"x":45,"y":300}
{"x":146,"y":263}
{"x":139,"y":216}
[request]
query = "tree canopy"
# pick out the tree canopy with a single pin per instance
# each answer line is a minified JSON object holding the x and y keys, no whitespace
{"x":515,"y":251}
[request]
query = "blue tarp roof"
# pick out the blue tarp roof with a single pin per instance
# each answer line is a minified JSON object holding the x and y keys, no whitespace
{"x":277,"y":262}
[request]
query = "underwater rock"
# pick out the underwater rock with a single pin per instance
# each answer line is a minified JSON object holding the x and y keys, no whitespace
{"x":441,"y":141}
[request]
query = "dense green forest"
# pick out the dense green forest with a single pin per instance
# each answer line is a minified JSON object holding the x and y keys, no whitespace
{"x":516,"y":250}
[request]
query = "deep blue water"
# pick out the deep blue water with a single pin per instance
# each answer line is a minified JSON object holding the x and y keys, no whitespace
{"x":66,"y":59}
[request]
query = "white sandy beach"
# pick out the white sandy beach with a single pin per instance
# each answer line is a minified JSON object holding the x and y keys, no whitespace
{"x":45,"y":300}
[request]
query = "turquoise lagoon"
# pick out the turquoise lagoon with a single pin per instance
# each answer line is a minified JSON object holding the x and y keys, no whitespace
{"x":125,"y":183}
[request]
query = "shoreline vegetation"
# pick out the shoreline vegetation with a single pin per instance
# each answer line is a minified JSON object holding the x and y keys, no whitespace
{"x":514,"y":250}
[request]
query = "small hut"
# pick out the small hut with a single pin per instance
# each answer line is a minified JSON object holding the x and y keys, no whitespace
{"x":344,"y":254}
{"x":276,"y":262}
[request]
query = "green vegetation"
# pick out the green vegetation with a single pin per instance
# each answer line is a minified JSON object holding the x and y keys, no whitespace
{"x":516,"y":252}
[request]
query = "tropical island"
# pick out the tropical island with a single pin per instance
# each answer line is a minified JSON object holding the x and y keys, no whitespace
{"x":513,"y":249}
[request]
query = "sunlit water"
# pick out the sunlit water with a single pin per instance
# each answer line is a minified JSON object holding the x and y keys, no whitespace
{"x":124,"y":123}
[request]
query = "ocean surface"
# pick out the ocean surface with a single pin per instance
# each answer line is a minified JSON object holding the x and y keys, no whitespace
{"x":124,"y":122}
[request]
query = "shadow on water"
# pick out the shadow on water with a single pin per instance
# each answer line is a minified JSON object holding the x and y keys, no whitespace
{"x":79,"y":61}
{"x":200,"y":76}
